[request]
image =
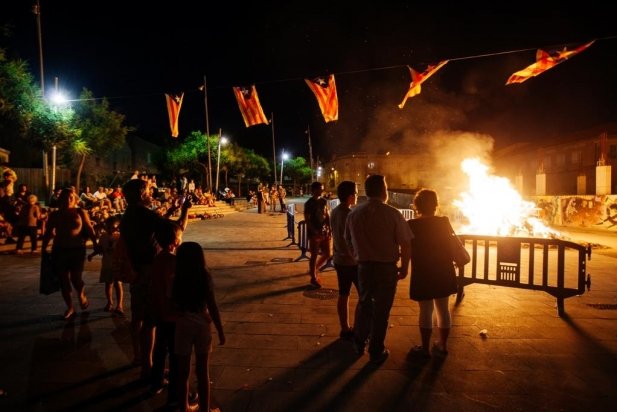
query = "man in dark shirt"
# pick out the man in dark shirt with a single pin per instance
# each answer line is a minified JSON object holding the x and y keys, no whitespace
{"x":137,"y":228}
{"x":318,"y":231}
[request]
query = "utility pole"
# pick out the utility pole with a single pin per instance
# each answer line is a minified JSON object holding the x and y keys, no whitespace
{"x":208,"y":136}
{"x":308,"y":131}
{"x":36,"y":9}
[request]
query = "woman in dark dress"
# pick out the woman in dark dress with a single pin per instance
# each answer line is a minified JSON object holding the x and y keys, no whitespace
{"x":433,"y":278}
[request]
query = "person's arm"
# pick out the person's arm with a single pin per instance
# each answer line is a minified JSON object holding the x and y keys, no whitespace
{"x":213,"y":310}
{"x":49,"y":232}
{"x":405,"y":261}
{"x":89,"y":229}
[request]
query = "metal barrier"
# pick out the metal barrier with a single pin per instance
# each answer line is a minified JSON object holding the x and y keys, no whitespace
{"x":291,"y":216}
{"x":407,"y":213}
{"x":302,"y":240}
{"x":512,"y":257}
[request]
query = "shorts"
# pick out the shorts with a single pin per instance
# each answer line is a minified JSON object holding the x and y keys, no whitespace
{"x":319,"y":243}
{"x":193,"y":329}
{"x":346,"y":275}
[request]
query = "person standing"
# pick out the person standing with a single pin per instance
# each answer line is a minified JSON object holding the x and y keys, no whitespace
{"x":282,"y":196}
{"x":344,"y":262}
{"x":318,"y":231}
{"x":433,"y":278}
{"x":27,"y":224}
{"x":378,"y":236}
{"x":69,"y":226}
{"x":137,"y":229}
{"x":193,"y":296}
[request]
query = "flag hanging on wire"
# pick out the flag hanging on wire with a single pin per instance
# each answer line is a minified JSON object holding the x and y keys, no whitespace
{"x":418,"y":78}
{"x":249,"y":105}
{"x":544,"y":61}
{"x":325,"y":92}
{"x":174,"y":103}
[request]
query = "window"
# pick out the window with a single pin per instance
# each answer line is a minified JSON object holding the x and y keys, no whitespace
{"x":575,"y":157}
{"x":560,"y":159}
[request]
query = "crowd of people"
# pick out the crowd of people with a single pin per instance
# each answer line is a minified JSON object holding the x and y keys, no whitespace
{"x":173,"y":307}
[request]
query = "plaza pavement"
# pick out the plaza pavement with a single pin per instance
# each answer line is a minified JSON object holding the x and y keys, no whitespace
{"x":283,"y":352}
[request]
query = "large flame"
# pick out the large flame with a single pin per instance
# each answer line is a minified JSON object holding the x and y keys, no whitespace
{"x":493,"y":207}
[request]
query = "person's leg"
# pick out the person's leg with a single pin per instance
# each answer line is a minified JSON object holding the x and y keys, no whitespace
{"x":21,"y":236}
{"x":364,"y":310}
{"x":159,"y":354}
{"x":184,"y":370}
{"x":444,"y":322}
{"x":385,"y":279}
{"x":426,"y":323}
{"x":108,"y":295}
{"x":202,"y":370}
{"x":33,"y":238}
{"x":146,"y":340}
{"x":313,"y":245}
{"x":172,"y":391}
{"x":119,"y":296}
{"x":344,"y":276}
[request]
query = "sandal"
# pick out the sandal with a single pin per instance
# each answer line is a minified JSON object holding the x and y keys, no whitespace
{"x":83,"y":303}
{"x":107,"y":307}
{"x":69,"y":313}
{"x":421,"y":351}
{"x":438,"y":349}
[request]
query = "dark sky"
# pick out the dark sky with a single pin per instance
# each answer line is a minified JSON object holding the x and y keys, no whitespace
{"x":132,"y":52}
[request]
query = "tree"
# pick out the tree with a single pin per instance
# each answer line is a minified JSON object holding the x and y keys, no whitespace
{"x":299,"y":171}
{"x":24,"y":115}
{"x":193,"y":151}
{"x":99,"y":129}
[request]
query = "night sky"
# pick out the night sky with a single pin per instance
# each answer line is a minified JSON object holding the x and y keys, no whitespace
{"x":133,"y":52}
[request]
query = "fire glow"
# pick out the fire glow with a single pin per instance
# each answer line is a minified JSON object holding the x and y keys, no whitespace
{"x":493,"y":207}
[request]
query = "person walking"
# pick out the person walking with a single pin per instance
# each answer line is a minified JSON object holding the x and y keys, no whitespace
{"x":318,"y":231}
{"x":379,"y":237}
{"x":433,"y":278}
{"x":70,"y":227}
{"x":344,"y":262}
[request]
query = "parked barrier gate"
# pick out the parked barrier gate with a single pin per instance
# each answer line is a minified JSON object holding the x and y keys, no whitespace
{"x":559,"y":270}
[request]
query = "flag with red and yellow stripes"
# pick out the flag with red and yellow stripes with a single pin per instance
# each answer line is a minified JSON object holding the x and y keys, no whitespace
{"x":417,"y":79}
{"x":545,"y":61}
{"x":174,"y":103}
{"x":325,"y":92}
{"x":249,"y":105}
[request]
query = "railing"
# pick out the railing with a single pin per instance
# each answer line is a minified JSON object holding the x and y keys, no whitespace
{"x":514,"y":262}
{"x":291,"y":215}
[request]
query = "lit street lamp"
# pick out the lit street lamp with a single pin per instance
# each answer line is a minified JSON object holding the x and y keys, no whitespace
{"x":222,"y":140}
{"x":284,"y":157}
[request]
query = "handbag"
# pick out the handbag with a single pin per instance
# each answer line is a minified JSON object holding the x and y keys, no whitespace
{"x":49,"y":282}
{"x":459,"y":254}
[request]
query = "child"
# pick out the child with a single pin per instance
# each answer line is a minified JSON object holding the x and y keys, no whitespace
{"x":193,"y":295}
{"x":169,"y":237}
{"x":27,"y":224}
{"x":107,"y":242}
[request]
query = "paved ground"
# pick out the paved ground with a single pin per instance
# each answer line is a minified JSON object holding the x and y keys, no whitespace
{"x":283,"y":352}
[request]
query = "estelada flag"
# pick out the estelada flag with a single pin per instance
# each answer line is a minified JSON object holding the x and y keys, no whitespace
{"x":325,"y":92}
{"x":417,"y":79}
{"x":544,"y":61}
{"x":174,"y":103}
{"x":249,"y":105}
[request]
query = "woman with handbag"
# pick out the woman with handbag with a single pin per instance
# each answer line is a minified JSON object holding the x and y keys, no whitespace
{"x":70,"y":227}
{"x":433,"y":278}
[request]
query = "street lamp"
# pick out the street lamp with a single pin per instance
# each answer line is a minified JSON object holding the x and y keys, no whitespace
{"x":222,"y":140}
{"x":284,"y":157}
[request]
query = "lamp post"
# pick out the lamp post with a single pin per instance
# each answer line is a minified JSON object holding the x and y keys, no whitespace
{"x":222,"y":140}
{"x":284,"y":156}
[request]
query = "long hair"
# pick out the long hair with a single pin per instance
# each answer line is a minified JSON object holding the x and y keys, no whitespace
{"x":192,"y":281}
